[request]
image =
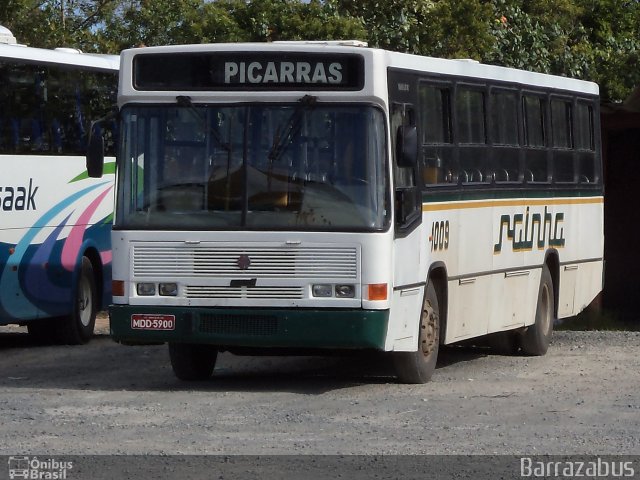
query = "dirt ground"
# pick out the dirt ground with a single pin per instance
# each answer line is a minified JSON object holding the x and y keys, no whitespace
{"x":583,"y":397}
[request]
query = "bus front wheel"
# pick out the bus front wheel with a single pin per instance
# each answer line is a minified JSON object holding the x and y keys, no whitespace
{"x":418,"y":366}
{"x":78,"y":327}
{"x":535,"y":339}
{"x":192,"y":362}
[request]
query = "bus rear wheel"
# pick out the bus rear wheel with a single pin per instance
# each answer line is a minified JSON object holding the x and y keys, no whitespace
{"x":535,"y":339}
{"x":77,"y":328}
{"x":192,"y":362}
{"x":418,"y":366}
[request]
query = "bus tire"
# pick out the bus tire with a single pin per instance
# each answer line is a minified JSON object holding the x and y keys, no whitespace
{"x":535,"y":339}
{"x":192,"y":362}
{"x":77,"y":328}
{"x":418,"y":367}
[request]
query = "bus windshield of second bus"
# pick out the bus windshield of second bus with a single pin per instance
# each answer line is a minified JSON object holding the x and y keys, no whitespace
{"x":254,"y":166}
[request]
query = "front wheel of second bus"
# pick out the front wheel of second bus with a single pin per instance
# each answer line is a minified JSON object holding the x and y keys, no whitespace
{"x":78,"y":327}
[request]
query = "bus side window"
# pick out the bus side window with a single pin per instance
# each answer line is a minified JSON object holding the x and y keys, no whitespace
{"x":504,"y":136}
{"x":585,"y":142}
{"x":562,"y":141}
{"x":535,"y":152}
{"x":407,"y":204}
{"x":435,"y":136}
{"x":471,"y":130}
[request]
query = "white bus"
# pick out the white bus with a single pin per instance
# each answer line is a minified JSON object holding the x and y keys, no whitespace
{"x":55,"y":221}
{"x":332,"y":196}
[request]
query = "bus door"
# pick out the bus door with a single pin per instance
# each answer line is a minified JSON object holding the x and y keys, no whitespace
{"x":409,"y":255}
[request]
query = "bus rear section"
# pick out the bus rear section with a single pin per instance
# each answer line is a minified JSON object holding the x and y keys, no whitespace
{"x":55,"y":225}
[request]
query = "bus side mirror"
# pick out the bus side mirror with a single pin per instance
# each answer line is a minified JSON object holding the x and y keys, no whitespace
{"x":407,"y":146}
{"x":95,"y":152}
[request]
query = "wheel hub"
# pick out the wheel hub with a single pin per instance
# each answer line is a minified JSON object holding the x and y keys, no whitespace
{"x":428,"y":330}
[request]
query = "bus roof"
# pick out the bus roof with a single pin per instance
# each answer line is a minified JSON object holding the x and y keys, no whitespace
{"x":62,"y":56}
{"x":383,"y":58}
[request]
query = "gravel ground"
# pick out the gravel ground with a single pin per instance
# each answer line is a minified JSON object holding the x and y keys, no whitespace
{"x":583,"y":397}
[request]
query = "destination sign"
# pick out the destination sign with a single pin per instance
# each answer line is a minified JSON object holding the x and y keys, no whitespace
{"x":248,"y":71}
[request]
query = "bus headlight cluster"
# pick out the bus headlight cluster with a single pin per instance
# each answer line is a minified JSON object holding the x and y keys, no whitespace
{"x":145,"y":289}
{"x":328,"y":290}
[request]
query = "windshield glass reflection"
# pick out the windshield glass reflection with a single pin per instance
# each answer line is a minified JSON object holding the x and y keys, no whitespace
{"x":302,"y":166}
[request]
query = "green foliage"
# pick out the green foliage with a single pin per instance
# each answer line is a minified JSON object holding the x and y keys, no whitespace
{"x":588,"y":39}
{"x":438,"y":28}
{"x":598,"y":40}
{"x":271,"y":20}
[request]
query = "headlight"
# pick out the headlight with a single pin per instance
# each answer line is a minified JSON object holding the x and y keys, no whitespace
{"x":168,"y":289}
{"x":345,"y":291}
{"x":322,"y":290}
{"x":146,"y":289}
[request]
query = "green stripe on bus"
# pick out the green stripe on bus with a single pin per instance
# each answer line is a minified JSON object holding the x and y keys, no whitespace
{"x":539,"y":193}
{"x":109,"y":168}
{"x":254,"y":327}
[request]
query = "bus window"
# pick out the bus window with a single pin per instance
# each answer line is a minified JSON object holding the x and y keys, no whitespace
{"x":435,"y":123}
{"x":504,"y":118}
{"x":470,"y":122}
{"x":407,"y":205}
{"x":504,"y":136}
{"x":47,"y":109}
{"x":562,"y":141}
{"x":536,"y":162}
{"x":435,"y":114}
{"x":470,"y":116}
{"x":584,"y":142}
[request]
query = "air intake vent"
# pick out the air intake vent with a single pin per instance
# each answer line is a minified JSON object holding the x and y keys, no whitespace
{"x":252,"y":325}
{"x":223,"y":261}
{"x":192,"y":291}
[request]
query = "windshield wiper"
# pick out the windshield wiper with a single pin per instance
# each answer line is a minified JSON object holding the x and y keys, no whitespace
{"x":185,"y":101}
{"x":290,"y":129}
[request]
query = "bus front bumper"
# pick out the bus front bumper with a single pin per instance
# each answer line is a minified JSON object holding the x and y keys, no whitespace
{"x":251,"y":327}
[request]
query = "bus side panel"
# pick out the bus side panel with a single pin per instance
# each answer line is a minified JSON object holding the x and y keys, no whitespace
{"x":50,"y":212}
{"x":515,"y":235}
{"x":581,"y":262}
{"x":460,"y":237}
{"x":588,"y":286}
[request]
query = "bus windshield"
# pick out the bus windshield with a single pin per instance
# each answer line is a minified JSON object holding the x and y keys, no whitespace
{"x":261,"y":166}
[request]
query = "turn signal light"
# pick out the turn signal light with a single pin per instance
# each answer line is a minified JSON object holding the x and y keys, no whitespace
{"x":377,"y":291}
{"x":117,"y":288}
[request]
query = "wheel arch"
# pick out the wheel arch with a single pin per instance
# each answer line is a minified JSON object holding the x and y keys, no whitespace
{"x":552,"y":261}
{"x":438,"y":275}
{"x":98,"y":273}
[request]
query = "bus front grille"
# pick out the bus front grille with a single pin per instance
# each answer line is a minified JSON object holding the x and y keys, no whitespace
{"x":224,"y":324}
{"x":237,"y":261}
{"x":203,"y":292}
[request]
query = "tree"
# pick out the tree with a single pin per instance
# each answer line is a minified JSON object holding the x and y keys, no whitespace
{"x":54,"y":23}
{"x":595,"y":40}
{"x":158,"y":22}
{"x":613,"y":28}
{"x":439,"y":28}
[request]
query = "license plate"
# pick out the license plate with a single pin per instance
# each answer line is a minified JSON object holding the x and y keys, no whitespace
{"x":144,"y":321}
